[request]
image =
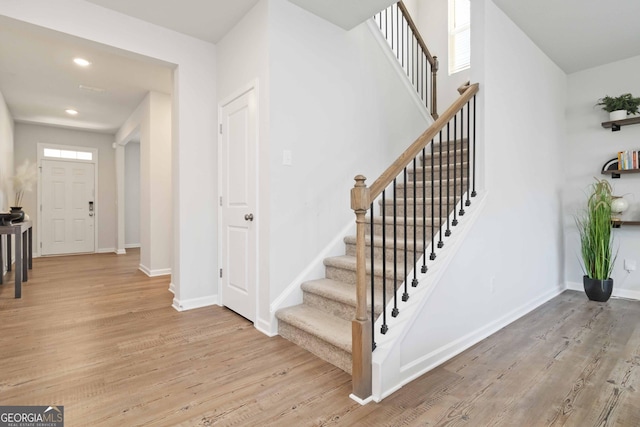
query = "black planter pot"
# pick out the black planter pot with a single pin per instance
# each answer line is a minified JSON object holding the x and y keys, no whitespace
{"x":597,"y":289}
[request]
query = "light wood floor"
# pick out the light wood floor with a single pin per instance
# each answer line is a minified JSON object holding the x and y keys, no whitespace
{"x":94,"y":334}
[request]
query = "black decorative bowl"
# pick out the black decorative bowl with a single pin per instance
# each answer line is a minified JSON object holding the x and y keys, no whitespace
{"x":6,"y":218}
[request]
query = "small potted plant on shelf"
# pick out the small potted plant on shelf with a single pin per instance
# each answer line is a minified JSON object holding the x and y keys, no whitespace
{"x":594,"y":227}
{"x":619,"y":107}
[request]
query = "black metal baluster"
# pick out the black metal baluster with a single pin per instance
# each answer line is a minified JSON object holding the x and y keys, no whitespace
{"x":473,"y":193}
{"x":384,"y":328}
{"x":414,"y":282}
{"x":432,"y":256}
{"x":405,"y":295}
{"x":455,"y":168}
{"x":440,"y":243}
{"x":468,"y":202}
{"x":373,"y":301}
{"x":448,"y":232}
{"x":395,"y":310}
{"x":462,"y":167}
{"x":424,"y":212}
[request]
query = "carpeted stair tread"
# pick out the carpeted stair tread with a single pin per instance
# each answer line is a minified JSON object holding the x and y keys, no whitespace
{"x":344,"y":293}
{"x":347,"y":262}
{"x":378,"y":242}
{"x":330,"y":329}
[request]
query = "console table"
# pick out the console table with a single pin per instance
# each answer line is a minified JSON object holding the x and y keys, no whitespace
{"x":23,"y":233}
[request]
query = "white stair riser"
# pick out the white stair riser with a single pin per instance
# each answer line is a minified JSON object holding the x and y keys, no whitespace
{"x":330,"y":353}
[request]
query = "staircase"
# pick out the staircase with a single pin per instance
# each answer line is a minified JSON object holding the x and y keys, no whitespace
{"x":322,"y":323}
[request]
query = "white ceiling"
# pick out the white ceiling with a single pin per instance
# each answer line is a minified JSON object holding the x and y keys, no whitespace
{"x":344,"y":13}
{"x":207,"y":20}
{"x":579,"y":34}
{"x":39,"y":81}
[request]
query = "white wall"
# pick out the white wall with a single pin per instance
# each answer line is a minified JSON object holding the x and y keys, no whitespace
{"x":339,"y":106}
{"x":431,"y":18}
{"x":6,"y":156}
{"x":512,"y":260}
{"x":332,"y":99}
{"x":132,"y":194}
{"x":151,"y":123}
{"x":592,"y":145}
{"x":27,"y":137}
{"x":6,"y":166}
{"x":243,"y":59}
{"x":194,"y":121}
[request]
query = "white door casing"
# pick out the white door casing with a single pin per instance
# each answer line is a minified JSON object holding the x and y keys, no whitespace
{"x":67,"y":221}
{"x":238,"y":202}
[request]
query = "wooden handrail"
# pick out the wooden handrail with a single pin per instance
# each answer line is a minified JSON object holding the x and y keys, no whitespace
{"x":362,"y":198}
{"x":432,"y":59}
{"x":414,"y":149}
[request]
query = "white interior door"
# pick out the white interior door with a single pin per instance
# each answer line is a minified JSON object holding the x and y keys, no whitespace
{"x":68,"y":207}
{"x":238,"y":205}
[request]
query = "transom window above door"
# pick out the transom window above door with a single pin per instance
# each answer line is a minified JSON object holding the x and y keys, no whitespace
{"x":67,"y":154}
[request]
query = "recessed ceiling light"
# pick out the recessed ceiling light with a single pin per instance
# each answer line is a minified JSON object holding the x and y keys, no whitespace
{"x":71,"y":112}
{"x":81,"y":62}
{"x":91,"y":89}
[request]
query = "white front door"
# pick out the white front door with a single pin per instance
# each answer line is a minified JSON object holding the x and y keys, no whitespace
{"x":68,"y":207}
{"x":238,"y":204}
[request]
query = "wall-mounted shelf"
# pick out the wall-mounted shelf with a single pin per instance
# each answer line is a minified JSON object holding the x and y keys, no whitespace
{"x":615,"y":173}
{"x":615,"y":125}
{"x":611,"y":168}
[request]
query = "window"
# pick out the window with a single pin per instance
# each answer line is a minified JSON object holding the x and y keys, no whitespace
{"x":68,"y":154}
{"x":459,"y":35}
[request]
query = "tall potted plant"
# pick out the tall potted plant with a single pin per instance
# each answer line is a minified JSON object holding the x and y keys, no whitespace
{"x":596,"y":242}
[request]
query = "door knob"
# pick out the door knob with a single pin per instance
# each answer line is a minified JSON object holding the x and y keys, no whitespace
{"x":248,"y":217}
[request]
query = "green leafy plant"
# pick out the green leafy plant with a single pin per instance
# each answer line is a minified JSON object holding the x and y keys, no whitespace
{"x":595,"y":232}
{"x":623,"y":102}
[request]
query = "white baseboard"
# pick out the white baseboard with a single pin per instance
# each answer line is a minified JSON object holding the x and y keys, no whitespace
{"x":191,"y":304}
{"x":154,"y":273}
{"x":105,"y":250}
{"x":172,"y":288}
{"x":265,"y":327}
{"x":121,"y":252}
{"x":617,"y":292}
{"x":361,"y":401}
{"x":131,"y":245}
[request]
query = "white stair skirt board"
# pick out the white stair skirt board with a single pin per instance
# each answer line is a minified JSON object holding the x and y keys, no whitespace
{"x":617,"y":292}
{"x":389,"y":374}
{"x":384,"y":45}
{"x":292,"y":295}
{"x":390,"y":370}
{"x":154,"y":273}
{"x":191,"y":304}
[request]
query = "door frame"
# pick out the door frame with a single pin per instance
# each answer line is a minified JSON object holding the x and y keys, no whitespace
{"x":251,"y":86}
{"x":94,"y":160}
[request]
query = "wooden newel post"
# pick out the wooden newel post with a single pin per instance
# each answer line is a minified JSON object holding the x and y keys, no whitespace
{"x":361,"y":325}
